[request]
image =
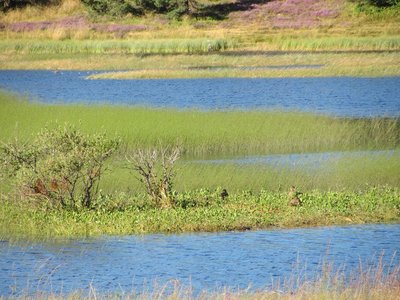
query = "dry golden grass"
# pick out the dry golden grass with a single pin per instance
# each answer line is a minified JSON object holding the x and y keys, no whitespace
{"x":213,"y":65}
{"x":40,"y":13}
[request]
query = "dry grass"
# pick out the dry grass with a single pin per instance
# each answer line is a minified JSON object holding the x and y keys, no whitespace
{"x":39,"y":13}
{"x":212,"y":65}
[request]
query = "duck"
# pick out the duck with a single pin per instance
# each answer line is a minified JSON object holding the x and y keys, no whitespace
{"x":293,"y":196}
{"x":224,"y":194}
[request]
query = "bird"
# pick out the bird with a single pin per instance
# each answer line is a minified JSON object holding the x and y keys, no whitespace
{"x":224,"y":194}
{"x":293,"y":196}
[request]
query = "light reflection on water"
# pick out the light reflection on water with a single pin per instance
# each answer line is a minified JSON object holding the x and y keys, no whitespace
{"x":203,"y":260}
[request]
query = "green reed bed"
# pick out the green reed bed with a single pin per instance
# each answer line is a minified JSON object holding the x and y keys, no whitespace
{"x":201,"y":133}
{"x":202,"y":210}
{"x":337,"y":43}
{"x":356,"y":173}
{"x":199,"y":45}
{"x":293,"y":71}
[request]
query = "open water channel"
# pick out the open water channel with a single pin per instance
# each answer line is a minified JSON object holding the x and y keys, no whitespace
{"x":204,"y":260}
{"x":339,"y":96}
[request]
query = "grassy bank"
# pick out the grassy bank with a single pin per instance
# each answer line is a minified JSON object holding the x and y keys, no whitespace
{"x":204,"y":211}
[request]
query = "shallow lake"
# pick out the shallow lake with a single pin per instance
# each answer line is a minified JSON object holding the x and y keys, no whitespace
{"x":339,"y":96}
{"x":203,"y":260}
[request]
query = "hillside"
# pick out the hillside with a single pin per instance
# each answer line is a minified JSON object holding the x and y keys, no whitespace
{"x":233,"y":33}
{"x":251,"y":16}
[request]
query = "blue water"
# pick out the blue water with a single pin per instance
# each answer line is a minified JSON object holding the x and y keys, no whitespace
{"x":204,"y":260}
{"x":339,"y":96}
{"x":305,"y":161}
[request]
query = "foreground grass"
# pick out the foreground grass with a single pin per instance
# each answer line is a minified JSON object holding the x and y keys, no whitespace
{"x":387,"y":291}
{"x":202,"y":210}
{"x":204,"y":134}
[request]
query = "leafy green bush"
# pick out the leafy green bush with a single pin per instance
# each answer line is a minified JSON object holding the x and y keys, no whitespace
{"x":61,"y":166}
{"x":384,"y":3}
{"x":111,"y":7}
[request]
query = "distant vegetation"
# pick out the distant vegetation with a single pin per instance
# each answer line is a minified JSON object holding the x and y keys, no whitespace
{"x":173,"y":8}
{"x":222,"y":35}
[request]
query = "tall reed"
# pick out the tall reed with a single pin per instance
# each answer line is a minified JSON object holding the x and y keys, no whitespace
{"x":206,"y":134}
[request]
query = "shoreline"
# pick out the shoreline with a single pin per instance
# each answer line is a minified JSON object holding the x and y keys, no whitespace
{"x":242,"y":212}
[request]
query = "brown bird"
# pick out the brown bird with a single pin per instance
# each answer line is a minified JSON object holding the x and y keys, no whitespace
{"x":293,"y":196}
{"x":224,"y":194}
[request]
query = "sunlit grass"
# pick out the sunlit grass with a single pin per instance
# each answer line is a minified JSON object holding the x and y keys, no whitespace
{"x":42,"y":12}
{"x":110,"y":46}
{"x":201,"y":210}
{"x":213,"y":64}
{"x":205,"y":133}
{"x":339,"y":192}
{"x":293,"y":71}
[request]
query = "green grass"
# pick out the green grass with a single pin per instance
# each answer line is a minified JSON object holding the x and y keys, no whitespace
{"x":319,"y":42}
{"x":338,"y":193}
{"x":208,"y":135}
{"x":109,"y":46}
{"x":293,"y":71}
{"x":203,"y":211}
{"x":346,"y":174}
{"x":210,"y":65}
{"x":205,"y":134}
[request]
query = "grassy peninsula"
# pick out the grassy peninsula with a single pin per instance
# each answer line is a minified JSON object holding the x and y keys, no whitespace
{"x":351,"y":190}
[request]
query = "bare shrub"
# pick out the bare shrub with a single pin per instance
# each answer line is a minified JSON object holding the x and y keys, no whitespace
{"x":156,"y":171}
